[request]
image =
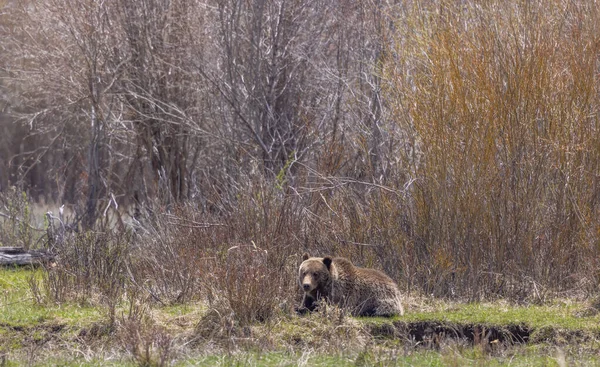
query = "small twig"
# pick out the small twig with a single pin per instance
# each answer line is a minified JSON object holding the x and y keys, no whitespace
{"x":358,"y":243}
{"x":192,"y":224}
{"x":325,"y":201}
{"x":113,"y":201}
{"x":198,"y":225}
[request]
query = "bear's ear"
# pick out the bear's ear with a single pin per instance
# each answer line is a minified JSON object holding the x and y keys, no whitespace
{"x":305,"y":256}
{"x":327,"y":261}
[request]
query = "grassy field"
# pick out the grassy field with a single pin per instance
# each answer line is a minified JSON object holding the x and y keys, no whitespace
{"x":432,"y":333}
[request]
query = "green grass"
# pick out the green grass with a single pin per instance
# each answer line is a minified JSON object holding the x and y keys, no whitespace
{"x":423,"y":359}
{"x":559,"y":315}
{"x":75,"y":362}
{"x":25,"y":324}
{"x":569,"y":316}
{"x":19,"y":309}
{"x":448,"y":357}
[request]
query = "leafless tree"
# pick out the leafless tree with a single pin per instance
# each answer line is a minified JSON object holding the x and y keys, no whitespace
{"x":173,"y":100}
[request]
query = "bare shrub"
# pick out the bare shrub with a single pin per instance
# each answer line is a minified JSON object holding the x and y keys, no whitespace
{"x":174,"y":257}
{"x":250,"y":284}
{"x":16,"y":219}
{"x":258,"y":273}
{"x":502,"y":138}
{"x":217,"y":325}
{"x":149,"y":344}
{"x":90,"y":267}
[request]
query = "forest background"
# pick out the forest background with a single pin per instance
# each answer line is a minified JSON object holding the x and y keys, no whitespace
{"x":453,"y":144}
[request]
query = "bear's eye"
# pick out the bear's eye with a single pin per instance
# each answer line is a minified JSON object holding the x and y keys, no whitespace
{"x":315,"y":275}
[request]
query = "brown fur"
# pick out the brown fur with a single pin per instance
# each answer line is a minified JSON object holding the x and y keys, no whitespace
{"x":364,"y":292}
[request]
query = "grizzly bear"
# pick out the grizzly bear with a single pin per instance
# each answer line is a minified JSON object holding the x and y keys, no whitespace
{"x":362,"y":291}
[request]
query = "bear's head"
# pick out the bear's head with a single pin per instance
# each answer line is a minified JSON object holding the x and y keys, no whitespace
{"x":315,"y":274}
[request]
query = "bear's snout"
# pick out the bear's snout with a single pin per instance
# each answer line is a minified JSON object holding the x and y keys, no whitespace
{"x":307,"y":283}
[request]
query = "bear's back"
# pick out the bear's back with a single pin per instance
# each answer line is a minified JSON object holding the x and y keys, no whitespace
{"x":346,"y":268}
{"x":367,"y":291}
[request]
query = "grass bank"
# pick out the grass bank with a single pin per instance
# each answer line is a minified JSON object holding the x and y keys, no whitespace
{"x":432,"y":333}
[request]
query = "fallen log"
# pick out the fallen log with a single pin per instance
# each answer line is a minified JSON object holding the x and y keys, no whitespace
{"x":19,"y":256}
